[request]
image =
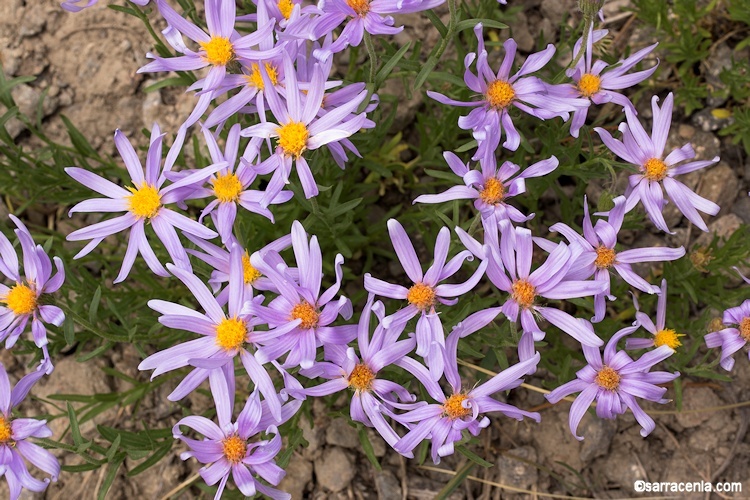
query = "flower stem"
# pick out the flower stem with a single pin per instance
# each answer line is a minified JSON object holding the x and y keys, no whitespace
{"x":373,"y":56}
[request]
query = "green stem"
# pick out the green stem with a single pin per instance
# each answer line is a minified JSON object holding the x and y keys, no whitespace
{"x":588,"y":22}
{"x":373,"y":56}
{"x":474,"y":224}
{"x":452,"y":24}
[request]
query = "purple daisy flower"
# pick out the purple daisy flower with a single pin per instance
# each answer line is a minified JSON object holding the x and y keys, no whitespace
{"x":223,"y":337}
{"x":23,"y":301}
{"x":661,"y":334}
{"x":615,"y":381}
{"x":79,"y":5}
{"x":226,"y":447}
{"x":300,"y":317}
{"x":732,"y":338}
{"x":14,"y":434}
{"x":596,"y":254}
{"x":501,"y":91}
{"x":489,"y":187}
{"x":144,"y":202}
{"x":647,"y":154}
{"x":426,"y":292}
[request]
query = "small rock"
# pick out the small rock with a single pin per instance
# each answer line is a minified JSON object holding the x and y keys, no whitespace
{"x":707,"y":121}
{"x":599,"y":433}
{"x":720,"y":185}
{"x":423,"y":488}
{"x":340,"y":433}
{"x":741,"y":207}
{"x":700,"y":397}
{"x":377,"y":442}
{"x":298,"y":473}
{"x":555,"y":10}
{"x":685,"y":131}
{"x":517,"y":473}
{"x":705,"y":144}
{"x":314,"y":437}
{"x":723,"y":227}
{"x":387,"y":486}
{"x":620,"y":467}
{"x":521,"y":33}
{"x":334,"y":471}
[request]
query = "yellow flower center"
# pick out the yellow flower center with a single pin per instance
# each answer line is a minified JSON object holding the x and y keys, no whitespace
{"x":589,"y":85}
{"x":231,"y":333}
{"x":422,"y":296}
{"x":21,"y":299}
{"x":745,"y":329}
{"x":145,"y":201}
{"x":605,"y":257}
{"x":523,"y":293}
{"x":493,"y":192}
{"x":307,"y":313}
{"x":453,"y":409}
{"x":361,"y":7}
{"x":5,"y":430}
{"x":500,"y":94}
{"x":235,"y":448}
{"x":219,"y":50}
{"x":667,"y":337}
{"x":249,"y":273}
{"x":227,"y":188}
{"x":286,"y":7}
{"x":361,"y":378}
{"x":255,"y":78}
{"x":293,"y":138}
{"x":608,"y":378}
{"x":654,"y":169}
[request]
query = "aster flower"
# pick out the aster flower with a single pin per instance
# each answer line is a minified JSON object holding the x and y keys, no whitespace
{"x":655,"y":170}
{"x":596,"y":254}
{"x":426,"y":292}
{"x":79,"y":5}
{"x":223,"y":336}
{"x":300,"y":317}
{"x":500,"y":91}
{"x":14,"y":434}
{"x":24,"y":300}
{"x":661,"y":334}
{"x":144,"y":202}
{"x":732,"y":338}
{"x":614,"y":381}
{"x":489,"y":186}
{"x":226,"y":447}
{"x":298,"y":129}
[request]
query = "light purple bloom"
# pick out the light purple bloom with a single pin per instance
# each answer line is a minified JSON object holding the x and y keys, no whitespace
{"x":144,"y":202}
{"x":79,"y":5}
{"x":14,"y":434}
{"x":732,"y":338}
{"x":615,"y":381}
{"x":661,"y":334}
{"x":426,"y":292}
{"x":24,"y":300}
{"x":646,"y":153}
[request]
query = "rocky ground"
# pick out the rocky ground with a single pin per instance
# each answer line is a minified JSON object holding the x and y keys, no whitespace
{"x":86,"y":66}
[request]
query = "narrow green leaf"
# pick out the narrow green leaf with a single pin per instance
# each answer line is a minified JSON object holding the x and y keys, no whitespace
{"x":112,"y":469}
{"x":364,"y":440}
{"x":473,"y":456}
{"x":455,"y":481}
{"x":386,"y":69}
{"x":153,"y":459}
{"x":74,"y":429}
{"x":94,"y":305}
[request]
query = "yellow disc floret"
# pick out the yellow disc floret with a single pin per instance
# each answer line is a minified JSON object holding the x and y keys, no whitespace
{"x":667,"y":337}
{"x":523,"y":293}
{"x":219,"y":50}
{"x":21,"y":299}
{"x":235,"y":448}
{"x":231,"y":333}
{"x":293,"y":138}
{"x":145,"y":201}
{"x":589,"y":85}
{"x":255,"y":78}
{"x":654,"y":169}
{"x":493,"y":191}
{"x":361,"y":7}
{"x":307,"y":313}
{"x":227,"y":188}
{"x":605,"y":257}
{"x":453,"y":407}
{"x":286,"y":7}
{"x":745,"y":329}
{"x":249,"y":273}
{"x":5,"y":430}
{"x":608,"y":378}
{"x":361,"y":378}
{"x":422,"y":296}
{"x":500,"y":94}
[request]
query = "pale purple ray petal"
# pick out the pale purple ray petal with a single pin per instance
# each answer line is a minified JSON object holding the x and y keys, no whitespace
{"x":570,"y":325}
{"x":405,"y":251}
{"x":579,"y":407}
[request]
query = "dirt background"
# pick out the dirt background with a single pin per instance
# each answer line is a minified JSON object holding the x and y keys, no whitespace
{"x":86,"y":63}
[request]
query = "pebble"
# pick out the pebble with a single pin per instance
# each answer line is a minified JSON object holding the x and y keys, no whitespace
{"x":723,"y":227}
{"x":334,"y":470}
{"x":387,"y":485}
{"x":340,"y":433}
{"x":298,"y":473}
{"x":599,"y":433}
{"x":720,"y":185}
{"x":517,"y":473}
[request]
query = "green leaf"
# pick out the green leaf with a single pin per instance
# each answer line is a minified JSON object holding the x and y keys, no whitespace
{"x":487,"y":23}
{"x":94,"y":305}
{"x":153,"y":459}
{"x":455,"y":481}
{"x":473,"y":456}
{"x":112,"y":469}
{"x":74,"y":429}
{"x":79,"y":141}
{"x":381,"y":76}
{"x":364,"y":440}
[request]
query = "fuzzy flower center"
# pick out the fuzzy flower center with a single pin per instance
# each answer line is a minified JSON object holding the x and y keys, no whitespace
{"x":608,"y":378}
{"x":21,"y":299}
{"x":453,"y":407}
{"x":227,"y":188}
{"x":361,"y":7}
{"x":361,"y":378}
{"x":589,"y":85}
{"x":231,"y":333}
{"x":523,"y":293}
{"x":5,"y":430}
{"x":145,"y":201}
{"x":667,"y":337}
{"x":286,"y":7}
{"x":255,"y":78}
{"x":422,"y":296}
{"x":293,"y":138}
{"x":249,"y":273}
{"x":500,"y":94}
{"x":654,"y":169}
{"x":493,"y":191}
{"x":307,"y":313}
{"x":745,"y":328}
{"x":605,"y":257}
{"x":219,"y":50}
{"x":235,"y":448}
